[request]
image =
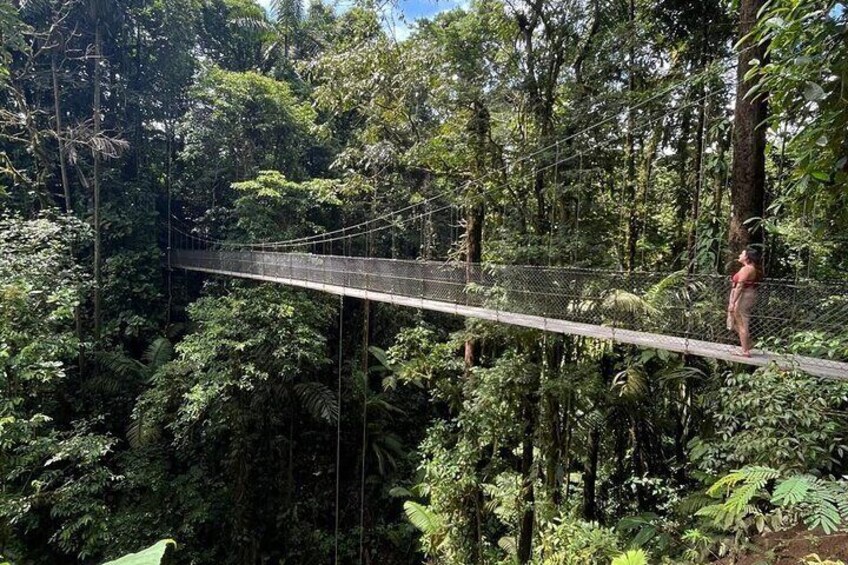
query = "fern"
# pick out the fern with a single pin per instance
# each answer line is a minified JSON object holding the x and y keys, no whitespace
{"x":159,"y":352}
{"x":507,"y":543}
{"x":422,"y":517}
{"x":632,"y":557}
{"x":790,"y":492}
{"x":819,"y":503}
{"x":741,"y":487}
{"x":318,"y":400}
{"x":621,"y":302}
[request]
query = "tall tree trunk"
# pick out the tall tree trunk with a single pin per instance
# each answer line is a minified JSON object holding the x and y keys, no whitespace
{"x":697,"y":167}
{"x":590,"y":475}
{"x":478,"y":127}
{"x":95,"y":153}
{"x":57,"y":108}
{"x":630,"y":182}
{"x":525,"y":534}
{"x":682,"y":199}
{"x":749,"y":138}
{"x":473,"y":256}
{"x":644,"y":177}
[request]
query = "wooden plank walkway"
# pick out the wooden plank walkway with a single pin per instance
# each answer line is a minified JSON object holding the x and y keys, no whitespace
{"x":810,"y":365}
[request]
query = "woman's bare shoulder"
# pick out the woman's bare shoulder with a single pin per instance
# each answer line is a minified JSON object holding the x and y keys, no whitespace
{"x":747,"y":272}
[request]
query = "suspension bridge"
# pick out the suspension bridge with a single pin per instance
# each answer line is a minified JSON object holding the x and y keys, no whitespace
{"x":678,"y":312}
{"x":798,"y":324}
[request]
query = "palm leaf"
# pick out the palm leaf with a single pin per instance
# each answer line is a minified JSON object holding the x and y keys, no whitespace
{"x":622,"y":301}
{"x":421,"y":517}
{"x":318,"y":400}
{"x":153,"y":555}
{"x":159,"y":352}
{"x":119,"y":364}
{"x":632,"y":557}
{"x":507,"y":543}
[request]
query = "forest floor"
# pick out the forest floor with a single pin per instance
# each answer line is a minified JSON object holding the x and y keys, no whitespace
{"x":791,"y":546}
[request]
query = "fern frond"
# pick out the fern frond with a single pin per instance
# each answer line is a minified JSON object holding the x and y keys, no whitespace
{"x":632,"y":557}
{"x":159,"y":352}
{"x":318,"y":400}
{"x":119,"y":364}
{"x":632,"y":382}
{"x":507,"y":543}
{"x":421,"y":517}
{"x":790,"y":492}
{"x":620,"y":302}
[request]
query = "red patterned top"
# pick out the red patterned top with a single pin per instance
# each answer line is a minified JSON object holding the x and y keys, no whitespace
{"x":745,"y":284}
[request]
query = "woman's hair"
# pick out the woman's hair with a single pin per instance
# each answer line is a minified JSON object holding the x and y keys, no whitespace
{"x":755,"y":256}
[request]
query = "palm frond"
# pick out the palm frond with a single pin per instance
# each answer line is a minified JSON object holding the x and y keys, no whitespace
{"x":159,"y":352}
{"x":619,"y":302}
{"x":318,"y":400}
{"x":421,"y":517}
{"x":631,"y":382}
{"x":119,"y":364}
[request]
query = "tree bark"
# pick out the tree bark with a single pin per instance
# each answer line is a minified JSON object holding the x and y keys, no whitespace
{"x":749,"y":138}
{"x":590,"y":475}
{"x":697,"y":167}
{"x":630,"y":182}
{"x":95,"y":153}
{"x":479,"y":129}
{"x":473,"y":256}
{"x":57,"y":108}
{"x":525,"y":535}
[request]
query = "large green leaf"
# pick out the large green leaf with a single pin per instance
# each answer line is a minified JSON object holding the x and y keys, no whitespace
{"x":151,"y":556}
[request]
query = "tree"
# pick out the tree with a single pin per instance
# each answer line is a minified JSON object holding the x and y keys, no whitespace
{"x":749,"y":136}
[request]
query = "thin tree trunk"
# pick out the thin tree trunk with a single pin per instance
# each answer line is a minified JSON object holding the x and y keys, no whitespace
{"x":476,"y":215}
{"x":646,"y":171}
{"x":525,"y":536}
{"x":590,"y":475}
{"x":98,"y":40}
{"x":697,"y":167}
{"x":749,"y":139}
{"x":630,"y":191}
{"x":682,"y":200}
{"x":57,"y":108}
{"x":473,"y":256}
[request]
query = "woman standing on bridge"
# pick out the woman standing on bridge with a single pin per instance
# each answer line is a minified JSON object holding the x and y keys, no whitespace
{"x":743,"y":295}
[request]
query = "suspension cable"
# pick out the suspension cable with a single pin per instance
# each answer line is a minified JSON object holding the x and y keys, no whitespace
{"x":323,"y":238}
{"x":462,"y":186}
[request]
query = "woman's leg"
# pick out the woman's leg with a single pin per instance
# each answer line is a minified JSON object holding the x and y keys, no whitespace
{"x":744,"y":335}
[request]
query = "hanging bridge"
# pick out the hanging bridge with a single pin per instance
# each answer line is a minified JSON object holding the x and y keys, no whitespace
{"x":799,"y":325}
{"x":679,"y":312}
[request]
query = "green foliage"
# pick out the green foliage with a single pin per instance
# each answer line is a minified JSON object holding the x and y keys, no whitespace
{"x":806,"y":77}
{"x":272,"y":207}
{"x":632,"y":557}
{"x":818,"y":502}
{"x":54,"y":471}
{"x":250,"y":122}
{"x":566,"y":541}
{"x":784,"y":420}
{"x":153,"y":555}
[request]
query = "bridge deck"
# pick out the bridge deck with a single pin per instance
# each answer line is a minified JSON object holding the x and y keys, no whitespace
{"x":371,"y":281}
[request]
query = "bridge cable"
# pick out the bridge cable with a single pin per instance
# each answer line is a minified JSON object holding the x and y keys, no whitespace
{"x":321,"y":238}
{"x":448,"y":192}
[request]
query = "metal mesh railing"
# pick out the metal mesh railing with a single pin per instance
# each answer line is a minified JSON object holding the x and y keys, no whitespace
{"x":806,"y":318}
